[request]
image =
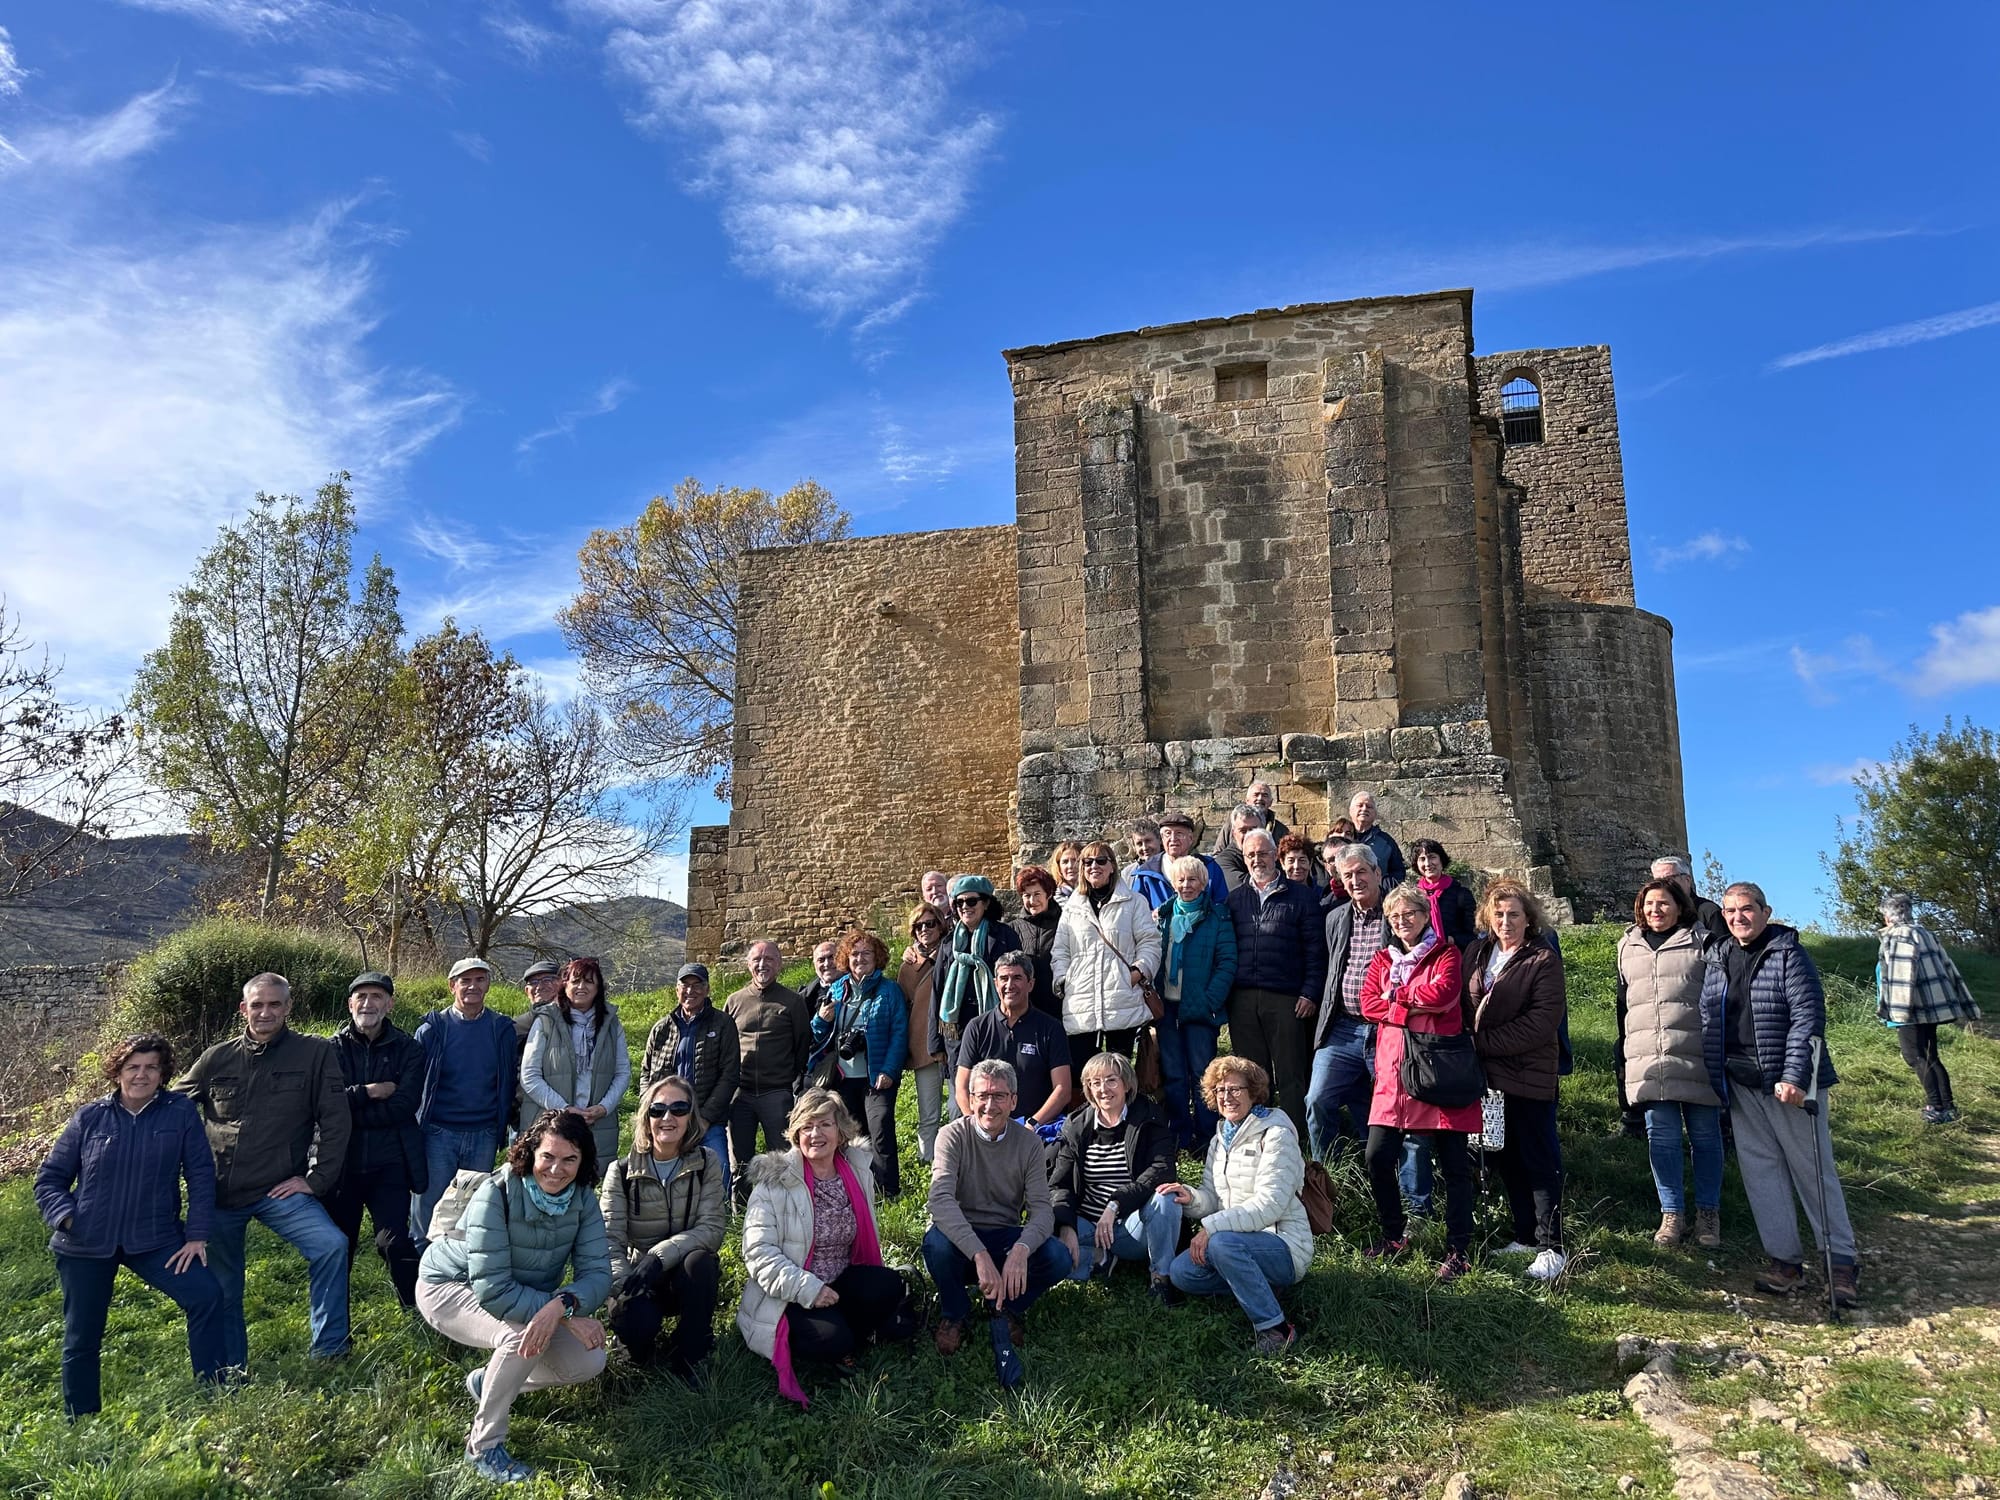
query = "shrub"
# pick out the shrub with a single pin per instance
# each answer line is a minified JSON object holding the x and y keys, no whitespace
{"x":188,"y":984}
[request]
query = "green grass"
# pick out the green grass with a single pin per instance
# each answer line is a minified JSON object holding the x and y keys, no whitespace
{"x":1512,"y":1381}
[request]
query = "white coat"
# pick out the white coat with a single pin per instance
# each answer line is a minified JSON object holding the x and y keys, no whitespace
{"x":1253,"y":1184}
{"x":1091,"y":963}
{"x":777,"y":1238}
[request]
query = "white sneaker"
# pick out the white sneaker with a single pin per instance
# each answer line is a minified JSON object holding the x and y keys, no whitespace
{"x":1548,"y":1265}
{"x":1515,"y":1247}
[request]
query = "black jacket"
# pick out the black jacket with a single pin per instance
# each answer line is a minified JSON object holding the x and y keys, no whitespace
{"x":1280,"y":943}
{"x":1037,"y":936}
{"x":1149,"y":1156}
{"x":271,"y":1112}
{"x":385,"y":1136}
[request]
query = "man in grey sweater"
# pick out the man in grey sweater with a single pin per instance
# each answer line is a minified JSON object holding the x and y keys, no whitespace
{"x":991,"y":1220}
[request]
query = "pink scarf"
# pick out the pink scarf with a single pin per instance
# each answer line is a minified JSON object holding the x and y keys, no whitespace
{"x":1434,"y":886}
{"x":867,"y":1251}
{"x":1404,"y":964}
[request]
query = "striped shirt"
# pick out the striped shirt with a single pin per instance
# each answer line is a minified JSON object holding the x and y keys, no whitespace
{"x":1106,"y":1172}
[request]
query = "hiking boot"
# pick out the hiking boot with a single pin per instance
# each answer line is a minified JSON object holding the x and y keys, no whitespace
{"x":1276,"y":1340}
{"x":1939,"y":1116}
{"x":475,"y":1383}
{"x":1386,"y":1249}
{"x":1453,"y":1266}
{"x":950,"y":1335}
{"x":1163,"y":1291}
{"x":1708,"y":1228}
{"x":500,"y":1466}
{"x":1670,"y":1231}
{"x":1846,"y":1286}
{"x":1547,"y":1265}
{"x":1780,"y":1279}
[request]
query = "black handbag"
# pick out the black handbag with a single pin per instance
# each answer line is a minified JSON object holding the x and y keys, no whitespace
{"x":1443,"y":1071}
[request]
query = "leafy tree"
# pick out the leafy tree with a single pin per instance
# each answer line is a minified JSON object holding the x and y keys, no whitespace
{"x":654,"y":618}
{"x":1927,"y":822}
{"x":269,"y":694}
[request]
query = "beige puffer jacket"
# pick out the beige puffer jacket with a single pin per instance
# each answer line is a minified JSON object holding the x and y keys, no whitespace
{"x":1253,"y":1184}
{"x":1663,"y":1047}
{"x":777,"y":1237}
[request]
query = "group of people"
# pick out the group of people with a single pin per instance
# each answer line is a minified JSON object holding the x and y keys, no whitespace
{"x":1367,"y":1011}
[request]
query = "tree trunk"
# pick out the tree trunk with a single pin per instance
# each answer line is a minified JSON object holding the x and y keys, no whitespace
{"x":274,"y":866}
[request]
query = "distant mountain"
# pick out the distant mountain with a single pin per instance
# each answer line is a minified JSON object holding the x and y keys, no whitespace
{"x":638,"y":940}
{"x":125,"y":894}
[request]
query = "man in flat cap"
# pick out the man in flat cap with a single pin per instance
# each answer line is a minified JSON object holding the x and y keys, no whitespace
{"x":383,"y":1069}
{"x":468,"y":1087}
{"x":541,"y":981}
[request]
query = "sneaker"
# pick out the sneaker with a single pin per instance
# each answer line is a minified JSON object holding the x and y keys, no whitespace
{"x":1276,"y":1340}
{"x":1515,"y":1247}
{"x":1670,"y":1231}
{"x":499,"y":1466}
{"x":1453,"y":1266}
{"x":950,"y":1335}
{"x":1939,"y":1116}
{"x":1780,"y":1279}
{"x":1708,"y":1228}
{"x":1163,"y":1291}
{"x":1846,"y":1286}
{"x":1007,"y":1366}
{"x":1386,"y":1249}
{"x":1547,"y":1265}
{"x":475,"y":1383}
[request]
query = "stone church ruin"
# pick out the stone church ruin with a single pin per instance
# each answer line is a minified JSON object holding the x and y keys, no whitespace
{"x":1326,"y":545}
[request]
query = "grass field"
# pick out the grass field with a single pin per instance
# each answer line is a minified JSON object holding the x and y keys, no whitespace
{"x":1392,"y":1384}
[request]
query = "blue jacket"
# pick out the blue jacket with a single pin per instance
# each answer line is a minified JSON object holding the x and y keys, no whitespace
{"x":430,"y":1037}
{"x":1388,"y":854}
{"x":1208,"y":962}
{"x":884,"y":1014}
{"x":117,"y":1179}
{"x":1787,"y":1010}
{"x":513,"y":1255}
{"x":1280,"y":943}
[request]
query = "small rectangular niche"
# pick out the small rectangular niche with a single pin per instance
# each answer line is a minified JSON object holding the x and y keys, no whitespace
{"x":1244,"y":382}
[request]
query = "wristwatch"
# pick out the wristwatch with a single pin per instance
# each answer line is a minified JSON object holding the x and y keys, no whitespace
{"x":569,"y":1303}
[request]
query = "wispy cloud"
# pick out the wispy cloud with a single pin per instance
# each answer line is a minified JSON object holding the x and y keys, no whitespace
{"x":245,"y":17}
{"x":527,"y":40}
{"x":11,"y":71}
{"x":1964,"y":653}
{"x":1526,"y":265}
{"x":828,"y":133}
{"x":1710,"y":546}
{"x":473,"y":144}
{"x":1654,"y":388}
{"x":318,"y":79}
{"x":1897,"y":336}
{"x":1823,"y":674}
{"x":1842,"y":775}
{"x":609,"y":397}
{"x":451,"y":545}
{"x":72,"y":146}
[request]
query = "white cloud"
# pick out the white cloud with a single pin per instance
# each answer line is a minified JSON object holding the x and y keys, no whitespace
{"x":608,"y":398}
{"x":1710,"y":546}
{"x":1822,"y":673}
{"x":1964,"y":653}
{"x":528,"y":40}
{"x":473,"y":144}
{"x":1897,"y":336}
{"x":1832,"y":775}
{"x":1527,"y":265}
{"x":130,"y":130}
{"x":152,"y":387}
{"x":245,"y":17}
{"x":828,"y":132}
{"x":319,"y":79}
{"x":11,"y":71}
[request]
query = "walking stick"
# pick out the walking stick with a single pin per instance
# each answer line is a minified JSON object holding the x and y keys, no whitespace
{"x":1820,"y":1165}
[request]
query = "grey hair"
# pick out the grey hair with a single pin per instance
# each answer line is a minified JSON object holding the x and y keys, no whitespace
{"x":1356,"y":854}
{"x":1014,"y":958}
{"x":1677,"y":865}
{"x":1896,"y":907}
{"x":1113,"y":1062}
{"x":1407,"y":895}
{"x":1259,"y":833}
{"x":1755,"y":890}
{"x":1260,"y":781}
{"x":1244,"y":813}
{"x":1173,"y":867}
{"x":998,"y":1069}
{"x":267,"y":981}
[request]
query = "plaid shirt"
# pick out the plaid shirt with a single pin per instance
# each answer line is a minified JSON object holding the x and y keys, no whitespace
{"x":1365,"y":939}
{"x":1917,"y":984}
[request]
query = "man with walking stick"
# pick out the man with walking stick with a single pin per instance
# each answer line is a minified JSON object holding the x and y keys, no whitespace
{"x":1763,"y":1016}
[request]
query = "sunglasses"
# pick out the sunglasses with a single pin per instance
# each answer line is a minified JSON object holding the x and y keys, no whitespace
{"x":659,"y":1109}
{"x":929,"y":924}
{"x":1097,"y":859}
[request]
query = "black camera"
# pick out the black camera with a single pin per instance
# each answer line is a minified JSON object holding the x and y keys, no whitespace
{"x":853,"y":1043}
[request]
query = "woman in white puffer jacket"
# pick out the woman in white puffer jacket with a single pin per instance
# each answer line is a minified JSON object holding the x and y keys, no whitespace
{"x":1107,"y":946}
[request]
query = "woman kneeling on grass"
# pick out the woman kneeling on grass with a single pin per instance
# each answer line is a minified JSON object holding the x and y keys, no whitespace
{"x":814,"y":1286}
{"x":665,"y":1213}
{"x":494,"y":1280}
{"x":1253,"y":1237}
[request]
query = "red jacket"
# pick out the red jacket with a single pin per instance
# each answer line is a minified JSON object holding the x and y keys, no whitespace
{"x":1430,"y":1000}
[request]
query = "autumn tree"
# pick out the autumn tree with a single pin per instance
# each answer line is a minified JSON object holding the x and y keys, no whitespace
{"x":270,"y":689}
{"x":654,"y":617}
{"x":1927,"y":821}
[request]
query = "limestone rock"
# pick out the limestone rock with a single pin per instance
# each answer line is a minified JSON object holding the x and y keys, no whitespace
{"x":1460,"y":1487}
{"x":1837,"y":1451}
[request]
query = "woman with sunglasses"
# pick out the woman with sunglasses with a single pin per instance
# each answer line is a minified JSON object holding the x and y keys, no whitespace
{"x":1107,"y":948}
{"x":576,"y":1058}
{"x":665,"y":1212}
{"x":917,"y":979}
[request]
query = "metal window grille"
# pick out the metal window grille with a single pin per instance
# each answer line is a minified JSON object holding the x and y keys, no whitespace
{"x":1520,"y":411}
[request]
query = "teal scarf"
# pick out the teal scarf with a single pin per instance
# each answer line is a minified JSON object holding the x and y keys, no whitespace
{"x":555,"y":1205}
{"x":1179,"y":925}
{"x":1230,"y":1127}
{"x":966,"y":974}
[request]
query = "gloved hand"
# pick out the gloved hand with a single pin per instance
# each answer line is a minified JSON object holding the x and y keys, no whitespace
{"x":651,"y":1271}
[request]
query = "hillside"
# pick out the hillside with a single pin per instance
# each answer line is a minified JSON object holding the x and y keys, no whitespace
{"x":126,"y":893}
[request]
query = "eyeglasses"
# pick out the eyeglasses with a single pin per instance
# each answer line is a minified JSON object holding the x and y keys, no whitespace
{"x":1230,"y":1090}
{"x":983,"y":1098}
{"x":659,"y":1109}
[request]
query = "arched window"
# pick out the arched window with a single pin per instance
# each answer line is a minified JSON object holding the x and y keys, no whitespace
{"x":1521,"y":411}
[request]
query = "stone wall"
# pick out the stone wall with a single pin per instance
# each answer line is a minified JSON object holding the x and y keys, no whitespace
{"x":43,"y":990}
{"x":707,"y":890}
{"x":875,"y":728}
{"x":1603,"y":684}
{"x":1575,"y":543}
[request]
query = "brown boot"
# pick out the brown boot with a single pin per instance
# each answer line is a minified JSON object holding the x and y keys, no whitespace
{"x":1708,"y":1228}
{"x":1780,"y":1279}
{"x":949,"y":1335}
{"x":1670,"y":1231}
{"x":1847,"y":1286}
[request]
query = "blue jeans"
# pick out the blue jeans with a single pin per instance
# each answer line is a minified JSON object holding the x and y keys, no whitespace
{"x":86,"y":1283}
{"x":1663,"y":1145}
{"x":1248,"y":1264}
{"x":951,"y":1268}
{"x":717,"y":1140}
{"x":1186,"y":1049}
{"x":1343,"y":1073}
{"x":302,"y":1222}
{"x":1413,"y":1175}
{"x":447,"y":1152}
{"x":1152,"y":1235}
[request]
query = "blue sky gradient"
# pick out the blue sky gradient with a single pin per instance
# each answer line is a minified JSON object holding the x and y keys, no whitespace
{"x":521,"y":265}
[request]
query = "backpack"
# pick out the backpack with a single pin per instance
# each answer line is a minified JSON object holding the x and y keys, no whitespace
{"x":451,"y":1207}
{"x":1316,"y":1197}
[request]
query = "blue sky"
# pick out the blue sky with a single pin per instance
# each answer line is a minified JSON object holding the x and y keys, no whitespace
{"x":520,"y":265}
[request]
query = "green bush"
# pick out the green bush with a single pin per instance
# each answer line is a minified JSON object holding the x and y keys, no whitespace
{"x":188,"y":985}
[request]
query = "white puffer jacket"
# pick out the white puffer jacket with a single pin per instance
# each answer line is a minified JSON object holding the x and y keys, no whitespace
{"x":1253,"y":1184}
{"x":1095,"y":981}
{"x":777,"y":1237}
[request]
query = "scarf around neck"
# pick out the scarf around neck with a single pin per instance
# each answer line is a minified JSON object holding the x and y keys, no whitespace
{"x":966,"y":973}
{"x":555,"y":1205}
{"x":1404,"y":963}
{"x":1230,"y":1127}
{"x":1179,"y":925}
{"x":867,"y":1251}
